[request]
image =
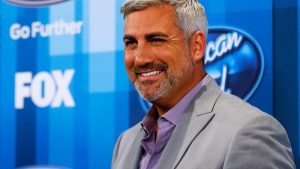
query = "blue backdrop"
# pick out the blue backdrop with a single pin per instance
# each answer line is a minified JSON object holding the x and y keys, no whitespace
{"x":65,"y":96}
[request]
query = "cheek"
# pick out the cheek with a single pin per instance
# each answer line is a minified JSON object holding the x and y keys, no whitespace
{"x":181,"y":63}
{"x":174,"y":59}
{"x":129,"y":63}
{"x":128,"y":60}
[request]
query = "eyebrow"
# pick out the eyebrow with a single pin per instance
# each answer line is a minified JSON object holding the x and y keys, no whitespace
{"x":147,"y":36}
{"x":128,"y":37}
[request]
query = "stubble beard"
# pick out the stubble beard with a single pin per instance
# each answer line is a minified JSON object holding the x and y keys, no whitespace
{"x":166,"y":85}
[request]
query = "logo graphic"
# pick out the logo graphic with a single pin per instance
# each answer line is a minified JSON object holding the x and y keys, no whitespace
{"x":44,"y":89}
{"x":35,"y":3}
{"x":38,"y":29}
{"x":235,"y":60}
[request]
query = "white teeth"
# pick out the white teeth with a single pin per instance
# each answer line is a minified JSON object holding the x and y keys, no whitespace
{"x":151,"y":73}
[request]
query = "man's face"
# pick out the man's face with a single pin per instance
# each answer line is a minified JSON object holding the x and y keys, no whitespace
{"x":157,"y":57}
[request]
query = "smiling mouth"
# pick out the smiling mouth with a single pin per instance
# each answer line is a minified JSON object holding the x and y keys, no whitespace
{"x":151,"y":73}
{"x":150,"y":70}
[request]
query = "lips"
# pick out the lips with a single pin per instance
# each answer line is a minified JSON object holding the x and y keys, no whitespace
{"x":150,"y":69}
{"x":150,"y":76}
{"x":151,"y":73}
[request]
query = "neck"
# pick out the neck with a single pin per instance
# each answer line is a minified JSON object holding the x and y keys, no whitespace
{"x":167,"y":102}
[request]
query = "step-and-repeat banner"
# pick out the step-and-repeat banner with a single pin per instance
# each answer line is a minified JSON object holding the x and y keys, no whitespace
{"x":64,"y":92}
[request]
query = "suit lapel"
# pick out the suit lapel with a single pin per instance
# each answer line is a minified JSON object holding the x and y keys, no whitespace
{"x":192,"y":122}
{"x":132,"y":157}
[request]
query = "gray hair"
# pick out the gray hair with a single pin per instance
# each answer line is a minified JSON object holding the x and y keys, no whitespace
{"x":190,"y":13}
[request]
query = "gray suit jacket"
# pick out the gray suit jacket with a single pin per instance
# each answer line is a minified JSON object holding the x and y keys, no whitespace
{"x":217,"y":131}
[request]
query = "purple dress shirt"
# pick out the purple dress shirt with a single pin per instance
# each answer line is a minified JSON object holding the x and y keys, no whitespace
{"x":153,"y":147}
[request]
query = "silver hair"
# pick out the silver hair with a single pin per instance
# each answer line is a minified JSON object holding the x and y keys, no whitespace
{"x":190,"y":13}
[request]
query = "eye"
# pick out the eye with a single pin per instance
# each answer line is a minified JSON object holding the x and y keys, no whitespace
{"x":130,"y":43}
{"x":157,"y":40}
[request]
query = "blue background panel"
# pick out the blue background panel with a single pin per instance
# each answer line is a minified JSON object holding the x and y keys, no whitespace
{"x":106,"y":104}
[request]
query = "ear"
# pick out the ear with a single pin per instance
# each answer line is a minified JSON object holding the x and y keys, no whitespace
{"x":198,"y":44}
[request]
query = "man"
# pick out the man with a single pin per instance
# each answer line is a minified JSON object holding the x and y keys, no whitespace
{"x":192,"y":123}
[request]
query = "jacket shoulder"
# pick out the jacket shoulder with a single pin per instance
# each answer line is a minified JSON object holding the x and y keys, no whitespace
{"x":236,"y":110}
{"x":256,"y":137}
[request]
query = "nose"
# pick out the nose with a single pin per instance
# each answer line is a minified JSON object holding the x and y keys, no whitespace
{"x":143,"y":55}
